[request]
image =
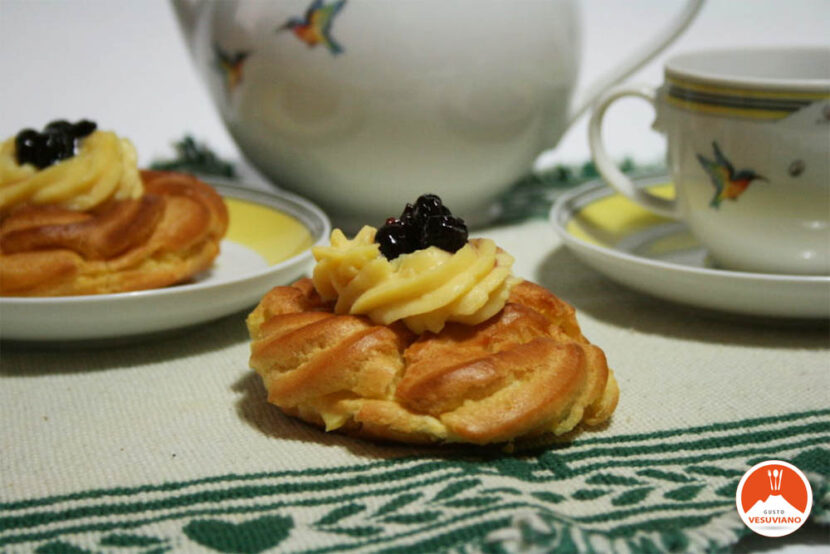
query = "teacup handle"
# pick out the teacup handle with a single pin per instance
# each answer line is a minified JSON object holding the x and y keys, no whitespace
{"x":608,"y":169}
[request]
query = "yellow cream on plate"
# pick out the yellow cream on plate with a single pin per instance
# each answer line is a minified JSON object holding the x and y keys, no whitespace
{"x":104,"y":167}
{"x":274,"y":235}
{"x":425,"y":289}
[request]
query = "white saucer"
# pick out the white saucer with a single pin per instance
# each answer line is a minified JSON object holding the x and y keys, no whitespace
{"x":255,"y":256}
{"x":658,"y":256}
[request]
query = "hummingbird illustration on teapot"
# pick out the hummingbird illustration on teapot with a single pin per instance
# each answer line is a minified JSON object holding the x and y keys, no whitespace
{"x":315,"y":26}
{"x":230,"y":65}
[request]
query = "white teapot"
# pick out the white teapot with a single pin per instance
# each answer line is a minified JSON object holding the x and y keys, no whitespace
{"x":363,"y":105}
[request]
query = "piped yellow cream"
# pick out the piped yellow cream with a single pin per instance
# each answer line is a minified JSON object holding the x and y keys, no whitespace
{"x":425,"y":289}
{"x":104,"y":167}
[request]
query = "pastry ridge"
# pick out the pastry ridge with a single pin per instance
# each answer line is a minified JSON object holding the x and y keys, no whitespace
{"x":164,"y":237}
{"x":525,"y":372}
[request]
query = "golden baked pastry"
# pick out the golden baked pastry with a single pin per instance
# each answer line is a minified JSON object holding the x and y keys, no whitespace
{"x":522,"y":373}
{"x":134,"y":241}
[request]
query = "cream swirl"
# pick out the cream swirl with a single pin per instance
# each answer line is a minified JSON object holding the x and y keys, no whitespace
{"x":105,"y":167}
{"x":425,"y":289}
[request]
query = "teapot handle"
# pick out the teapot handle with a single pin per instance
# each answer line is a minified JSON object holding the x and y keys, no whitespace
{"x":637,"y":60}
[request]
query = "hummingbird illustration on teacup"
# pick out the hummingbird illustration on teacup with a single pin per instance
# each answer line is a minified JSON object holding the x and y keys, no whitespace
{"x":230,"y":65}
{"x":729,"y":184}
{"x":315,"y":26}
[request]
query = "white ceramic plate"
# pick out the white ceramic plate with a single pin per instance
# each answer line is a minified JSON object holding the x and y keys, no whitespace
{"x":658,"y":256}
{"x":257,"y":254}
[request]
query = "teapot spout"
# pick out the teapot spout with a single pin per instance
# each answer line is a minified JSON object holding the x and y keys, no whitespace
{"x":187,"y":13}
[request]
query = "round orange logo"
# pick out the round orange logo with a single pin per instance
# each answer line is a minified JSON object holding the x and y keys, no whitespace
{"x":774,"y":498}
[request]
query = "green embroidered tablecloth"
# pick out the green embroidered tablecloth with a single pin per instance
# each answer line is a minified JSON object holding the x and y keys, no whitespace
{"x":169,"y":445}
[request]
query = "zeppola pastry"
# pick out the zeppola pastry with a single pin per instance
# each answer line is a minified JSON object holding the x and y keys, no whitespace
{"x":414,"y":333}
{"x":78,"y":217}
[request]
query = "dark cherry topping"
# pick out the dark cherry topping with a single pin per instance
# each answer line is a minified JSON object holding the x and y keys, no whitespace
{"x":59,"y":126}
{"x":426,"y":223}
{"x":27,"y":146}
{"x":83,"y":128}
{"x":408,"y":215}
{"x":427,"y":206}
{"x":446,"y":232}
{"x":397,"y":238}
{"x":56,"y":142}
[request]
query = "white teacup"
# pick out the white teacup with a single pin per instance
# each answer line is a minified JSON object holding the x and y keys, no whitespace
{"x":749,"y":152}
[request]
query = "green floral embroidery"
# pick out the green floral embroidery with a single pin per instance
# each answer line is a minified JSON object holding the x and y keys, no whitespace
{"x":248,"y":537}
{"x":198,"y":158}
{"x":599,"y":494}
{"x":533,"y":195}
